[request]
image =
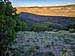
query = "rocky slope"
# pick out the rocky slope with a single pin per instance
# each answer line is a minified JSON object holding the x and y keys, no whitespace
{"x":43,"y":44}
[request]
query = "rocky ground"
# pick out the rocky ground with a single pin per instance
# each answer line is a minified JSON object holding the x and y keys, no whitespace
{"x":43,"y":44}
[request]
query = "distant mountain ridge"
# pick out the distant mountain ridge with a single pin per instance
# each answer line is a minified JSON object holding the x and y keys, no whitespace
{"x":67,"y":10}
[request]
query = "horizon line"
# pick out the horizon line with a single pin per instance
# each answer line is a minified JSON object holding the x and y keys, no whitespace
{"x":46,"y":5}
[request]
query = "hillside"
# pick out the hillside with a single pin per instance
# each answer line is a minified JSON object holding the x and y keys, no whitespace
{"x":55,"y":21}
{"x":68,"y":10}
{"x":43,"y":44}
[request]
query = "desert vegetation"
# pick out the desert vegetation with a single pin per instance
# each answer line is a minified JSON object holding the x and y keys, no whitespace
{"x":33,"y":35}
{"x":43,"y":43}
{"x":40,"y":27}
{"x":8,"y":25}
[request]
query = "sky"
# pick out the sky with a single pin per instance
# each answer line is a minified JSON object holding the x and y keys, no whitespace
{"x":26,"y":3}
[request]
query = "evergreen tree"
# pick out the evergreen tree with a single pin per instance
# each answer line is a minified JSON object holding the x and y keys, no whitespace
{"x":8,"y":22}
{"x":7,"y":25}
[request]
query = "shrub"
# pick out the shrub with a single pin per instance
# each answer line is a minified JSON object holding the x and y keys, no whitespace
{"x":40,"y":27}
{"x":34,"y":40}
{"x":21,"y":26}
{"x":33,"y":48}
{"x":55,"y":30}
{"x":51,"y":53}
{"x":37,"y":47}
{"x":71,"y":30}
{"x":28,"y":40}
{"x":68,"y":41}
{"x":73,"y":51}
{"x":70,"y":26}
{"x":63,"y":50}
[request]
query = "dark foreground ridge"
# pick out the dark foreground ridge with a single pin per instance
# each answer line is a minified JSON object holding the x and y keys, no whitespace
{"x":55,"y":21}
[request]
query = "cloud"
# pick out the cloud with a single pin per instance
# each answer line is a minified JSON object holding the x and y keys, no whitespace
{"x":41,"y":2}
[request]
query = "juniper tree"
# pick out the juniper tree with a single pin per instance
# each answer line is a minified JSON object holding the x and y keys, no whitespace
{"x":7,"y":24}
